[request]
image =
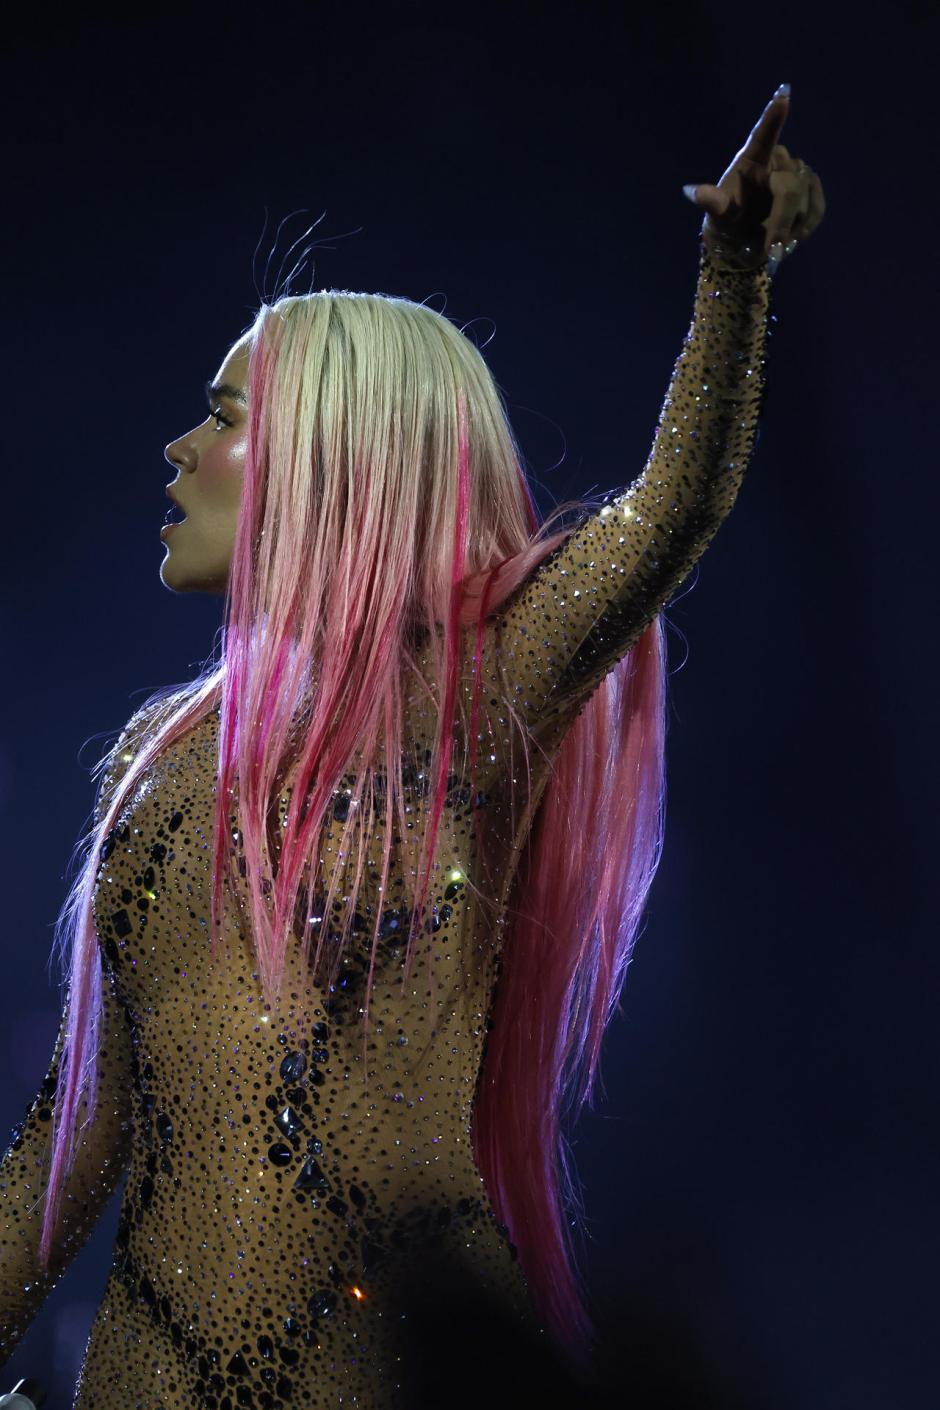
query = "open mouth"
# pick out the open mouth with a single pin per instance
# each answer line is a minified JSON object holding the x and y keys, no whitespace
{"x":174,"y":515}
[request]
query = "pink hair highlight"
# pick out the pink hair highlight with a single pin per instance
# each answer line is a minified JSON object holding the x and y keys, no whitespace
{"x":329,"y":567}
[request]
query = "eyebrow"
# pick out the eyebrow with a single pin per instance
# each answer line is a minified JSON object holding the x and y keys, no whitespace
{"x":214,"y":390}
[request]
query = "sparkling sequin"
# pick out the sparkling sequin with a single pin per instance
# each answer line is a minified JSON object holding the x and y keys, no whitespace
{"x":276,"y":1211}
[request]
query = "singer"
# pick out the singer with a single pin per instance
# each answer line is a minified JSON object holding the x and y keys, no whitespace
{"x":359,"y":900}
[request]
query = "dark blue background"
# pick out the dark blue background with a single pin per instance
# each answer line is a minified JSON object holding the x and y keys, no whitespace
{"x":760,"y":1172}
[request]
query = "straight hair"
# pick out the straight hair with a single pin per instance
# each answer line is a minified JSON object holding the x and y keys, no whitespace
{"x":384,"y":504}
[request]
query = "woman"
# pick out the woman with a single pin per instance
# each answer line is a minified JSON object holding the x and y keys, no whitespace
{"x":341,"y":1116}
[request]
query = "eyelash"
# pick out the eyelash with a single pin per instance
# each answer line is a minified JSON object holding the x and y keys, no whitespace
{"x":219,"y":417}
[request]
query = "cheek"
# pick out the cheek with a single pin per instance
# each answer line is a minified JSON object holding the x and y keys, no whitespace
{"x":222,"y":470}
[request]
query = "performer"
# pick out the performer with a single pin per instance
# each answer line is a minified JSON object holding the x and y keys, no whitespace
{"x":358,"y":901}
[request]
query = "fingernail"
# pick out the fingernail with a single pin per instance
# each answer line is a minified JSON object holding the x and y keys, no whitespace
{"x":783,"y":91}
{"x":773,"y":260}
{"x":690,"y":192}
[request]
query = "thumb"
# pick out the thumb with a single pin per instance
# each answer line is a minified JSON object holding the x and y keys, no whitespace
{"x":712,"y":200}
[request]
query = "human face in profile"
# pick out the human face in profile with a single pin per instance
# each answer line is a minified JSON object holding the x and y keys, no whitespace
{"x":210,"y":460}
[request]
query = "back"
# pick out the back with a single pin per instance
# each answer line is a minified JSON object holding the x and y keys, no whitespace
{"x":279,"y":1217}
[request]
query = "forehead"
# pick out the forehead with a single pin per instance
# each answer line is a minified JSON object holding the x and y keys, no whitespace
{"x":234,"y":367}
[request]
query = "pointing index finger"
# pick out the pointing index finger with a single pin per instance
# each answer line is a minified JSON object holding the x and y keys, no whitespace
{"x":763,"y":135}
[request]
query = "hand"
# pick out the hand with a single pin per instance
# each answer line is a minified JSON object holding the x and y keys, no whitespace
{"x":766,"y":201}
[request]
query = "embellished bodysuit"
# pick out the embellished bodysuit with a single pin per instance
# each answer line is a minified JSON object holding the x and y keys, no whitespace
{"x":279,"y":1219}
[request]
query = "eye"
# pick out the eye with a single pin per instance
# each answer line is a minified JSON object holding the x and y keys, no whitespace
{"x":219,"y":417}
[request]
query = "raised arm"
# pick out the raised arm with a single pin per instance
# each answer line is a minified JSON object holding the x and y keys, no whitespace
{"x":586,"y":604}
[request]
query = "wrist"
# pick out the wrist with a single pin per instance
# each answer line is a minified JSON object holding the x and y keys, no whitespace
{"x":731,"y":254}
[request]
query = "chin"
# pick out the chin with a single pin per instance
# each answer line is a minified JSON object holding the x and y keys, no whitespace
{"x":174,"y":575}
{"x":177,"y":582}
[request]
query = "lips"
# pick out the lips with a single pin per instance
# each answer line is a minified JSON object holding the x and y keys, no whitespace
{"x":171,"y":515}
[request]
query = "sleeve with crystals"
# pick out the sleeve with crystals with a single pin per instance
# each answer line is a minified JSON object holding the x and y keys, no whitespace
{"x":103,"y":1150}
{"x":566,"y":626}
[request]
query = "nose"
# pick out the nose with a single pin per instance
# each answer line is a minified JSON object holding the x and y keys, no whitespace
{"x":178,"y":454}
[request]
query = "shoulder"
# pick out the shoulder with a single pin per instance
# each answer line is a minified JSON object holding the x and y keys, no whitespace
{"x":118,"y":759}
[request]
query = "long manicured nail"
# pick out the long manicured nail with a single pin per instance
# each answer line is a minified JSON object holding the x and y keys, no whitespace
{"x":774,"y":258}
{"x":783,"y":91}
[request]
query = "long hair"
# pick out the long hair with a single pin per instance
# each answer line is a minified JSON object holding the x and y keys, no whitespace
{"x":384,"y":497}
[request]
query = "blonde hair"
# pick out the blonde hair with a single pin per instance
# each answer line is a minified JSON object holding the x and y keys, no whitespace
{"x":384,"y":506}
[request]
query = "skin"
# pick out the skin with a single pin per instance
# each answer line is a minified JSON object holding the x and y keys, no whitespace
{"x":766,"y":202}
{"x":210,"y":460}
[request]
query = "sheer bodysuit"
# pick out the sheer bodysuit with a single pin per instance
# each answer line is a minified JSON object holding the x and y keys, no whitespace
{"x":277,"y":1213}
